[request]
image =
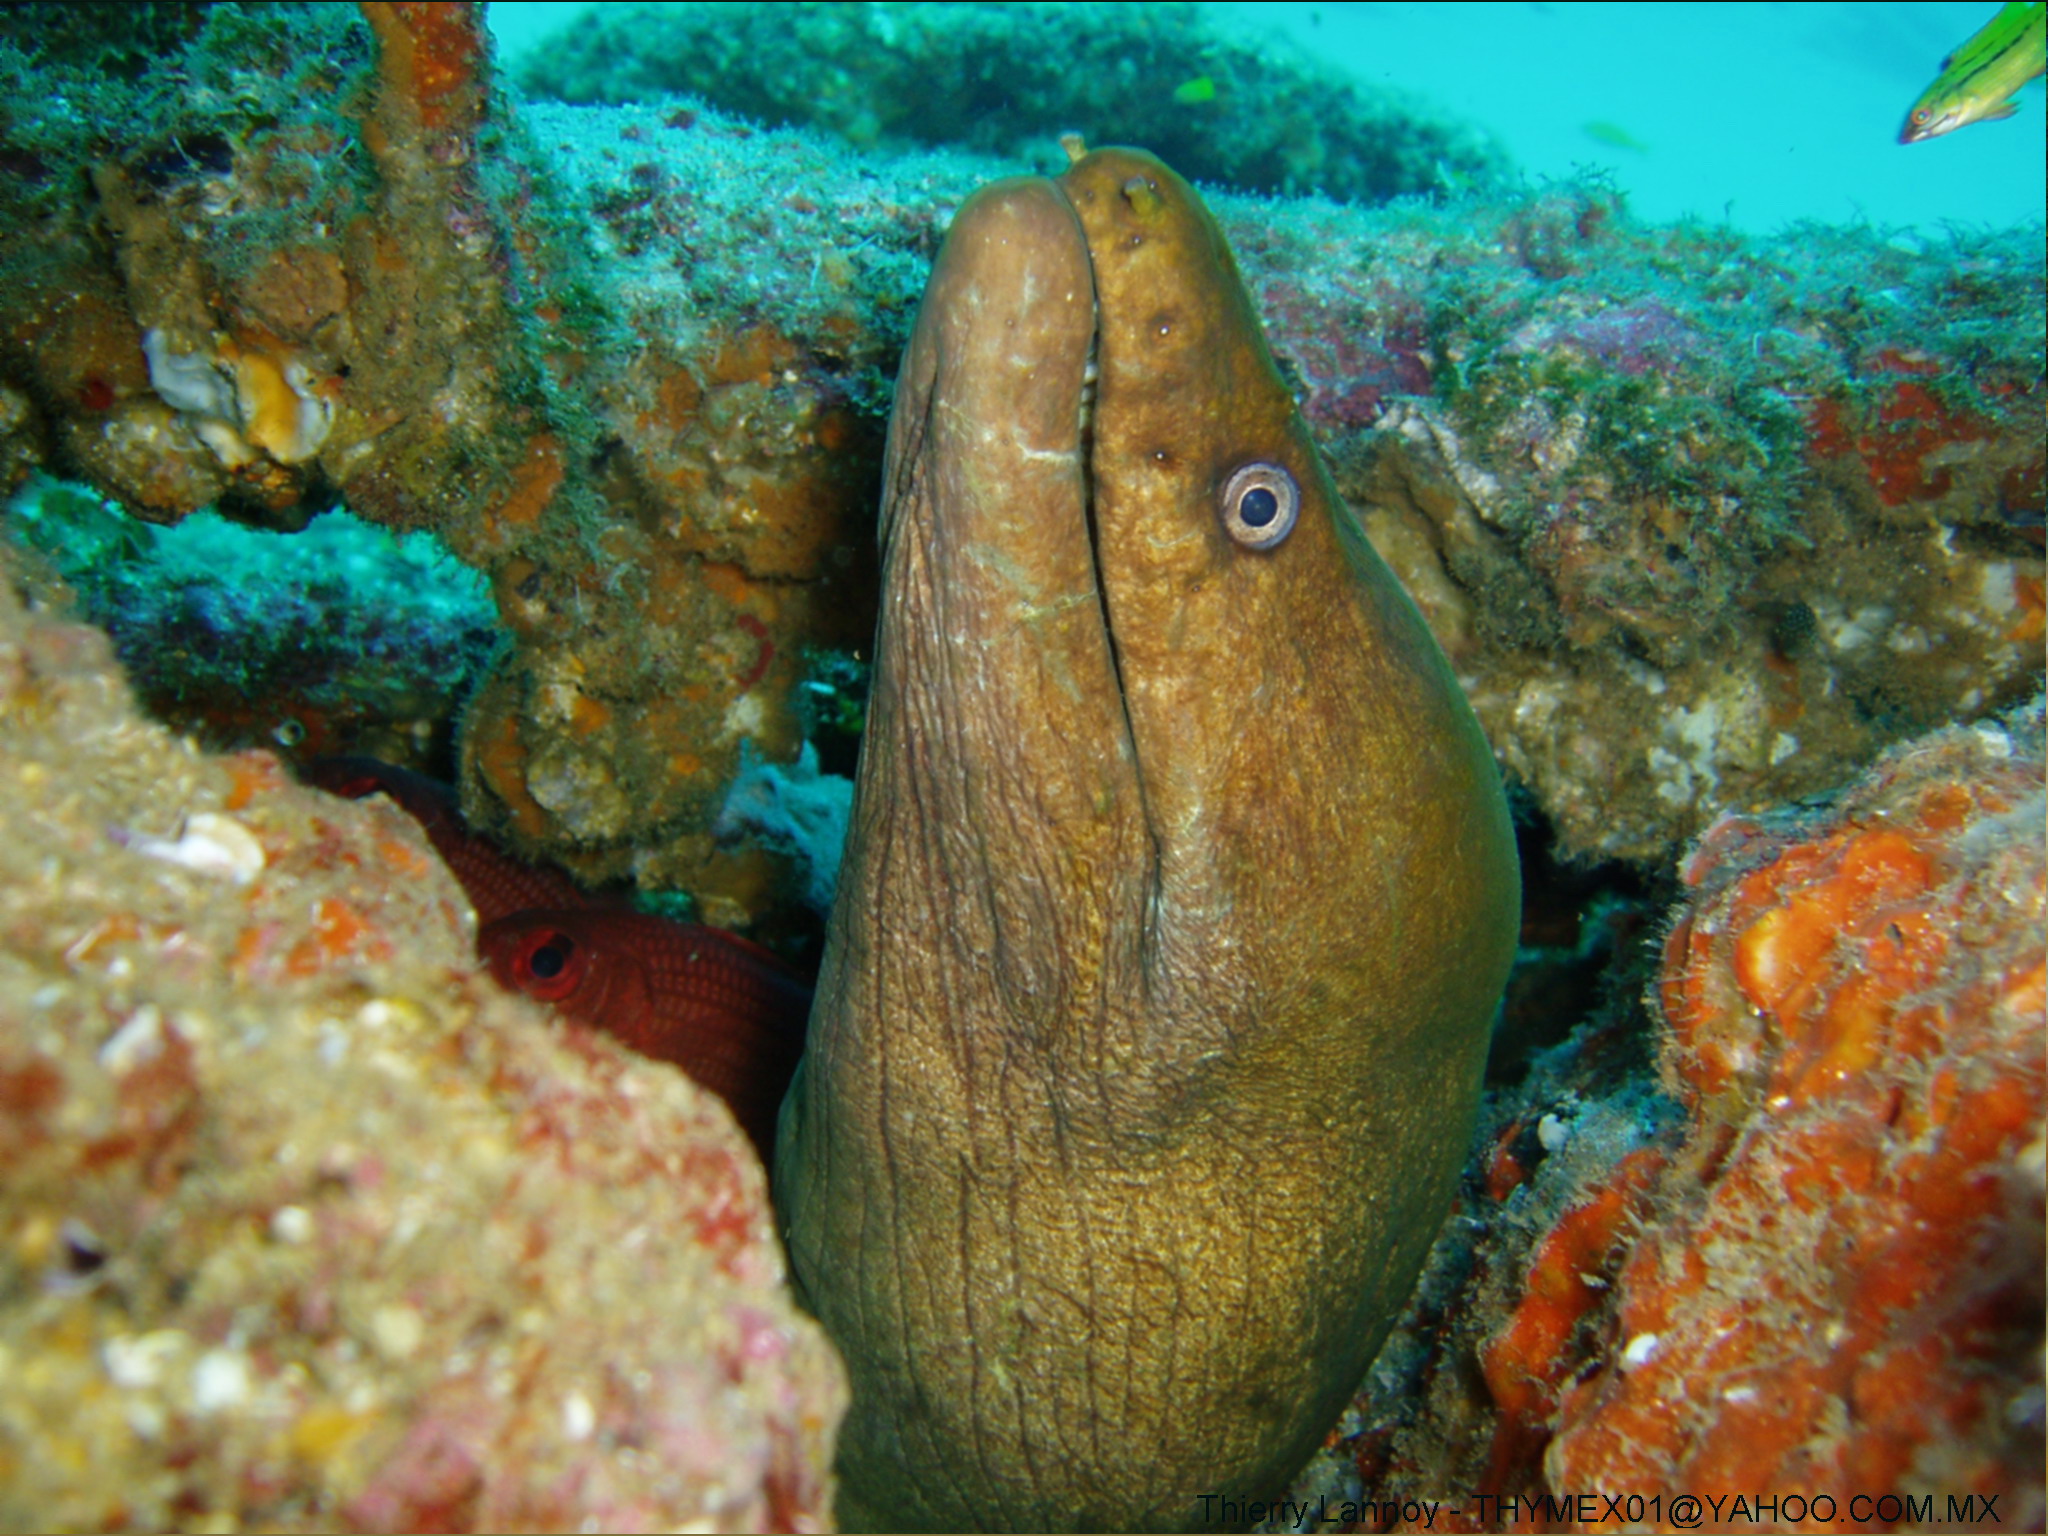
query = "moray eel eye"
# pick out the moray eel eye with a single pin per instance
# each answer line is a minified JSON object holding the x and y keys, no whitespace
{"x":1260,"y":503}
{"x":548,"y":965}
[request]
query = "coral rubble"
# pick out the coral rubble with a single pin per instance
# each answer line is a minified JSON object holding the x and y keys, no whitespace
{"x":303,"y":1223}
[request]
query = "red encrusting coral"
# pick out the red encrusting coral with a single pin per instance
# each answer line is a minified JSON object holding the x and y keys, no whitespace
{"x":432,"y":53}
{"x":1908,"y":440}
{"x":1830,"y":1286}
{"x":1531,"y":1358}
{"x":1840,"y":1290}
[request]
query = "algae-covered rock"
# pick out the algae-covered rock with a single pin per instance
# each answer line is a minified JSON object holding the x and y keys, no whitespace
{"x":302,"y":1223}
{"x":1703,"y":520}
{"x":310,"y":640}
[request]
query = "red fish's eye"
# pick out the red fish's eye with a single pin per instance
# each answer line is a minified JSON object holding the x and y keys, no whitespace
{"x":548,"y":965}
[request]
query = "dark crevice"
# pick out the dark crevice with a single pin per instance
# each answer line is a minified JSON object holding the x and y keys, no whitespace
{"x":1149,"y":945}
{"x":1116,"y":665}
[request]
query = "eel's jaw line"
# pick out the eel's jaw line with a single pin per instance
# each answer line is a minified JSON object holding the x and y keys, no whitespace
{"x":1088,"y":483}
{"x":1091,"y":376}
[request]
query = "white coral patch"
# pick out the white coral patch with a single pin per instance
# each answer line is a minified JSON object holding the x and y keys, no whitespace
{"x":232,"y":401}
{"x":1999,"y":588}
{"x":136,"y":1042}
{"x":219,"y":1381}
{"x":1640,"y":1350}
{"x":210,"y":845}
{"x":192,"y":382}
{"x":1851,"y":631}
{"x":1674,"y":777}
{"x":136,"y":1362}
{"x":747,"y":715}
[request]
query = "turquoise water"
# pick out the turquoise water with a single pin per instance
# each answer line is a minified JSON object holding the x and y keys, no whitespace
{"x":1760,"y":115}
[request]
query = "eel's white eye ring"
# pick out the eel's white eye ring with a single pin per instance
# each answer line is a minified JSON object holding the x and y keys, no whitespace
{"x":1260,"y":503}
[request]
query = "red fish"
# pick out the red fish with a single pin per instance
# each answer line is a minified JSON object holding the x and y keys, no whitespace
{"x":497,"y":884}
{"x":722,"y":1009}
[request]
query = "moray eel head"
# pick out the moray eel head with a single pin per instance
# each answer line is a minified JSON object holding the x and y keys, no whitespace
{"x":1177,"y":904}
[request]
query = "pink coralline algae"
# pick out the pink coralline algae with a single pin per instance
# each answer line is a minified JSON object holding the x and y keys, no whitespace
{"x":1631,"y":339}
{"x":1354,"y":348}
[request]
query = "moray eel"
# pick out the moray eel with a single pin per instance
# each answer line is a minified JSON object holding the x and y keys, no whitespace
{"x":1178,"y":901}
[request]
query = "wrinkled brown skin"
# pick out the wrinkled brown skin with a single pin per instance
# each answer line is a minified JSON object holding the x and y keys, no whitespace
{"x":1179,"y":897}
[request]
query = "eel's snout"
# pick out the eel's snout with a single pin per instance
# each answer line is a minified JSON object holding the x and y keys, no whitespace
{"x":1003,"y":339}
{"x":988,"y":475}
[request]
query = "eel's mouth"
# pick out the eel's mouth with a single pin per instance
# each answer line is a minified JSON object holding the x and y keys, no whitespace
{"x":1091,"y":373}
{"x":1002,"y":458}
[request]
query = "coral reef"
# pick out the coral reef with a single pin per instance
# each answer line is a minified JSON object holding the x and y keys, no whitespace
{"x":1702,"y":521}
{"x":1609,"y":461}
{"x":1650,"y":486}
{"x":1705,"y":523}
{"x":316,"y":261}
{"x":303,"y":1224}
{"x":1646,"y":483}
{"x":1234,"y":109}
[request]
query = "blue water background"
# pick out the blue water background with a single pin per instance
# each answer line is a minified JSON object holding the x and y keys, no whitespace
{"x":1756,"y":115}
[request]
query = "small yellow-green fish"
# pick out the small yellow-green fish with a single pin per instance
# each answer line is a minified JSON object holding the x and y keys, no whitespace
{"x":1614,"y":136}
{"x":1977,"y":81}
{"x":1178,"y":899}
{"x":1192,"y":93}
